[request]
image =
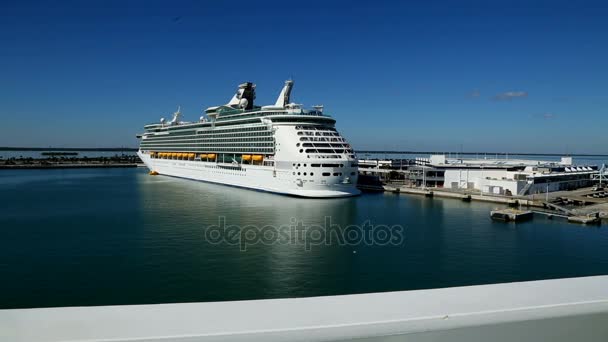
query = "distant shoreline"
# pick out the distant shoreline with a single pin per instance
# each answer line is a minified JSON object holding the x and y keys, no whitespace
{"x":92,"y":149}
{"x":130,"y":149}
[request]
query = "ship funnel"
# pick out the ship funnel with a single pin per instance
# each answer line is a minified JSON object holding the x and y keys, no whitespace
{"x":244,"y":96}
{"x":283,"y":99}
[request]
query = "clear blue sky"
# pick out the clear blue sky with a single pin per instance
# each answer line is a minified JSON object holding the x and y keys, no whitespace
{"x":403,"y":75}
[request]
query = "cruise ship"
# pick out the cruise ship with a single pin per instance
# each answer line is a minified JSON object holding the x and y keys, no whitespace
{"x":281,"y":148}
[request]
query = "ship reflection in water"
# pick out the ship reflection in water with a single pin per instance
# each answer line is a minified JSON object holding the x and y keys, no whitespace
{"x":102,"y":237}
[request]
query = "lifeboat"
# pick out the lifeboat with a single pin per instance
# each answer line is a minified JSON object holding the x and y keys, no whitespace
{"x":246,"y":157}
{"x":153,"y":173}
{"x":203,"y":156}
{"x":174,"y":155}
{"x":211,"y":156}
{"x":191,"y":155}
{"x":257,"y":157}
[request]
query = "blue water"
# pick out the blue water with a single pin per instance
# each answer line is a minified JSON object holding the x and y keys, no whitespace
{"x":120,"y":236}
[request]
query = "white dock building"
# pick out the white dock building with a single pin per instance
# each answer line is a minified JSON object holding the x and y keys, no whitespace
{"x":512,"y":176}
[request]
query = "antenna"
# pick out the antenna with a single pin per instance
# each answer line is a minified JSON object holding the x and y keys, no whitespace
{"x":176,"y":115}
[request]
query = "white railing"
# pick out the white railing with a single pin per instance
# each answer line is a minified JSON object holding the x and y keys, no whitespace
{"x":573,"y":309}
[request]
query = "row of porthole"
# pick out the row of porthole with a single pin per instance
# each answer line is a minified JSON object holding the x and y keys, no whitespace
{"x":326,"y":174}
{"x":319,"y":165}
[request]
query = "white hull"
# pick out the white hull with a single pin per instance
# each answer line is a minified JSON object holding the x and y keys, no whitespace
{"x":256,"y":177}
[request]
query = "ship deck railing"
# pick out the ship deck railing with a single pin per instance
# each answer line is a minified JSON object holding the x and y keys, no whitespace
{"x":574,"y":309}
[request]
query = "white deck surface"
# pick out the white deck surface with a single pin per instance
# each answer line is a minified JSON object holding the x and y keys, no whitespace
{"x":556,"y":310}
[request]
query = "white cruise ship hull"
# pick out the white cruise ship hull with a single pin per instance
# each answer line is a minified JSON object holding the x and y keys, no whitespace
{"x":255,"y":177}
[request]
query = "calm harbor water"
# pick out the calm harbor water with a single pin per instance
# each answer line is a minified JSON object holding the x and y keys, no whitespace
{"x":120,"y":236}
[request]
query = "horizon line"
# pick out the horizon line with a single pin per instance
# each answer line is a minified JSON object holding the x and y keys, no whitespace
{"x":132,"y":149}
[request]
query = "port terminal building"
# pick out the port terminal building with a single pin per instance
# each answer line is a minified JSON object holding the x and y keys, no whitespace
{"x":511,"y":176}
{"x":508,"y":177}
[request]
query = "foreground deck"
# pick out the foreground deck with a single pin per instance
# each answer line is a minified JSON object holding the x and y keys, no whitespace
{"x":548,"y":310}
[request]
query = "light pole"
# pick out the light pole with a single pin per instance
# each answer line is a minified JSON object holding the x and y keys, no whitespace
{"x":423,"y":178}
{"x":481,"y":182}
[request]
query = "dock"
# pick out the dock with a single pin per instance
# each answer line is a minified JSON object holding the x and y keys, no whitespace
{"x":511,"y":215}
{"x":581,"y":215}
{"x":464,"y":196}
{"x":585,"y":219}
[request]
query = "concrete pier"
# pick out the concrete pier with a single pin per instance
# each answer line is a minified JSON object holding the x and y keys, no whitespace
{"x":585,"y":219}
{"x":585,"y":215}
{"x":511,"y":215}
{"x":467,"y":197}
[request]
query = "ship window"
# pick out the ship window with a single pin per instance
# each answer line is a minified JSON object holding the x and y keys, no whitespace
{"x":337,"y":173}
{"x":312,"y":174}
{"x":301,"y":150}
{"x":298,"y":173}
{"x":304,"y":173}
{"x":326,"y":174}
{"x":315,"y":165}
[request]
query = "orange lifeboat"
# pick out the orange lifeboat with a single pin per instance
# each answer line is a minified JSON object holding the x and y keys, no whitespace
{"x":246,"y":157}
{"x":257,"y":157}
{"x":211,"y":156}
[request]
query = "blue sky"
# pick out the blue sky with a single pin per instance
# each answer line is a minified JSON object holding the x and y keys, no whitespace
{"x":401,"y":75}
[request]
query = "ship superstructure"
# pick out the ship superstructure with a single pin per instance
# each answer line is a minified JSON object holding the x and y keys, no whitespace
{"x":281,"y":148}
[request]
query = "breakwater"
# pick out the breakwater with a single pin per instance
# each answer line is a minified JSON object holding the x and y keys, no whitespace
{"x":69,"y":162}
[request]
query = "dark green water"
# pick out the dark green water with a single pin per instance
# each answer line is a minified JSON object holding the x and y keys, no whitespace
{"x":119,"y":236}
